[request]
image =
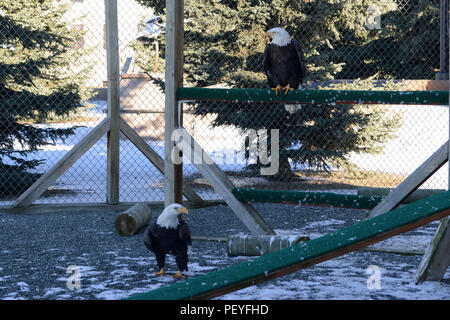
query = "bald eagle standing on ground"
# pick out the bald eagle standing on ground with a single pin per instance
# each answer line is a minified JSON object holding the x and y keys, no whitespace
{"x":284,"y":63}
{"x":169,"y":234}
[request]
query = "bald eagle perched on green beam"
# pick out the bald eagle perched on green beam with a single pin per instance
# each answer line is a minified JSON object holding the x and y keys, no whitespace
{"x":169,"y":234}
{"x":284,"y":63}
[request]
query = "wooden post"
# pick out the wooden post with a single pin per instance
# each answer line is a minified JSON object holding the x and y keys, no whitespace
{"x":112,"y":53}
{"x":173,"y":79}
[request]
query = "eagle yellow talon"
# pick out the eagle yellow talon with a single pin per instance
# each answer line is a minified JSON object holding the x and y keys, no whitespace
{"x":287,"y":89}
{"x":161,"y":272}
{"x":278,"y":87}
{"x":281,"y":88}
{"x":178,"y":275}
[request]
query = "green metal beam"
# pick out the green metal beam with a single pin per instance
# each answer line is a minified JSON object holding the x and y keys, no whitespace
{"x":316,"y":96}
{"x":307,"y":198}
{"x":306,"y":254}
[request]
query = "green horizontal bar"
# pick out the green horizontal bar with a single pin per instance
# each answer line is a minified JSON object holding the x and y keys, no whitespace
{"x":307,"y":198}
{"x":315,"y":96}
{"x":307,"y":253}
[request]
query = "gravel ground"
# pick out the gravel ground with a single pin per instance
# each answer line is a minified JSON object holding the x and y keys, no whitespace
{"x":40,"y":253}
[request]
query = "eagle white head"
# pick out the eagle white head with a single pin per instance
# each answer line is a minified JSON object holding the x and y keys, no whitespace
{"x":169,"y":217}
{"x":280,"y":37}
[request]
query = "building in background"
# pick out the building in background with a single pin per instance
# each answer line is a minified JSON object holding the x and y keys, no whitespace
{"x":88,"y":16}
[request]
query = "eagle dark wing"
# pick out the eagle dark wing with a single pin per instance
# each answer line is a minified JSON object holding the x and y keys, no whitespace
{"x":183,"y":232}
{"x":301,"y":58}
{"x":180,"y":250}
{"x":149,"y":235}
{"x":151,"y":241}
{"x":268,"y":66}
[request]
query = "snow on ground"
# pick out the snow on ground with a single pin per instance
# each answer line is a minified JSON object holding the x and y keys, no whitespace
{"x":44,"y":255}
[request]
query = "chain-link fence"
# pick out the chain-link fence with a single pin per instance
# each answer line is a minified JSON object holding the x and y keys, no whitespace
{"x":53,"y":86}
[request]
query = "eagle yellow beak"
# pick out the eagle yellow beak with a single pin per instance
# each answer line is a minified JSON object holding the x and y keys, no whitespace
{"x":268,"y":34}
{"x":182,"y":210}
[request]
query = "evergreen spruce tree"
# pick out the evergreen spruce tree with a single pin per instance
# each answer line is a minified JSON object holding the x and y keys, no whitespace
{"x":37,"y":78}
{"x":406,"y":45}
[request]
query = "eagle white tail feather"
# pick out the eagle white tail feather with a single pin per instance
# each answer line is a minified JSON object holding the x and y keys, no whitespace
{"x":293,"y":108}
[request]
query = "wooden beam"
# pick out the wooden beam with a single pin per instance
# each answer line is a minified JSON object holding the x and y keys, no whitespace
{"x":315,"y":96}
{"x":306,"y":254}
{"x":173,"y":79}
{"x":47,"y":179}
{"x":154,"y":158}
{"x":415,"y":180}
{"x":113,"y":75}
{"x":223,"y":186}
{"x":436,"y":259}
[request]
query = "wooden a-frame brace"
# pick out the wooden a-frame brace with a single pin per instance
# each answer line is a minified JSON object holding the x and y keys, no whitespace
{"x":50,"y":177}
{"x":437,"y":256}
{"x":111,"y":126}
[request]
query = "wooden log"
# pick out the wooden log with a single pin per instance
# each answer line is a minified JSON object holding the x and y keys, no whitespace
{"x":130,"y":221}
{"x":251,"y":245}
